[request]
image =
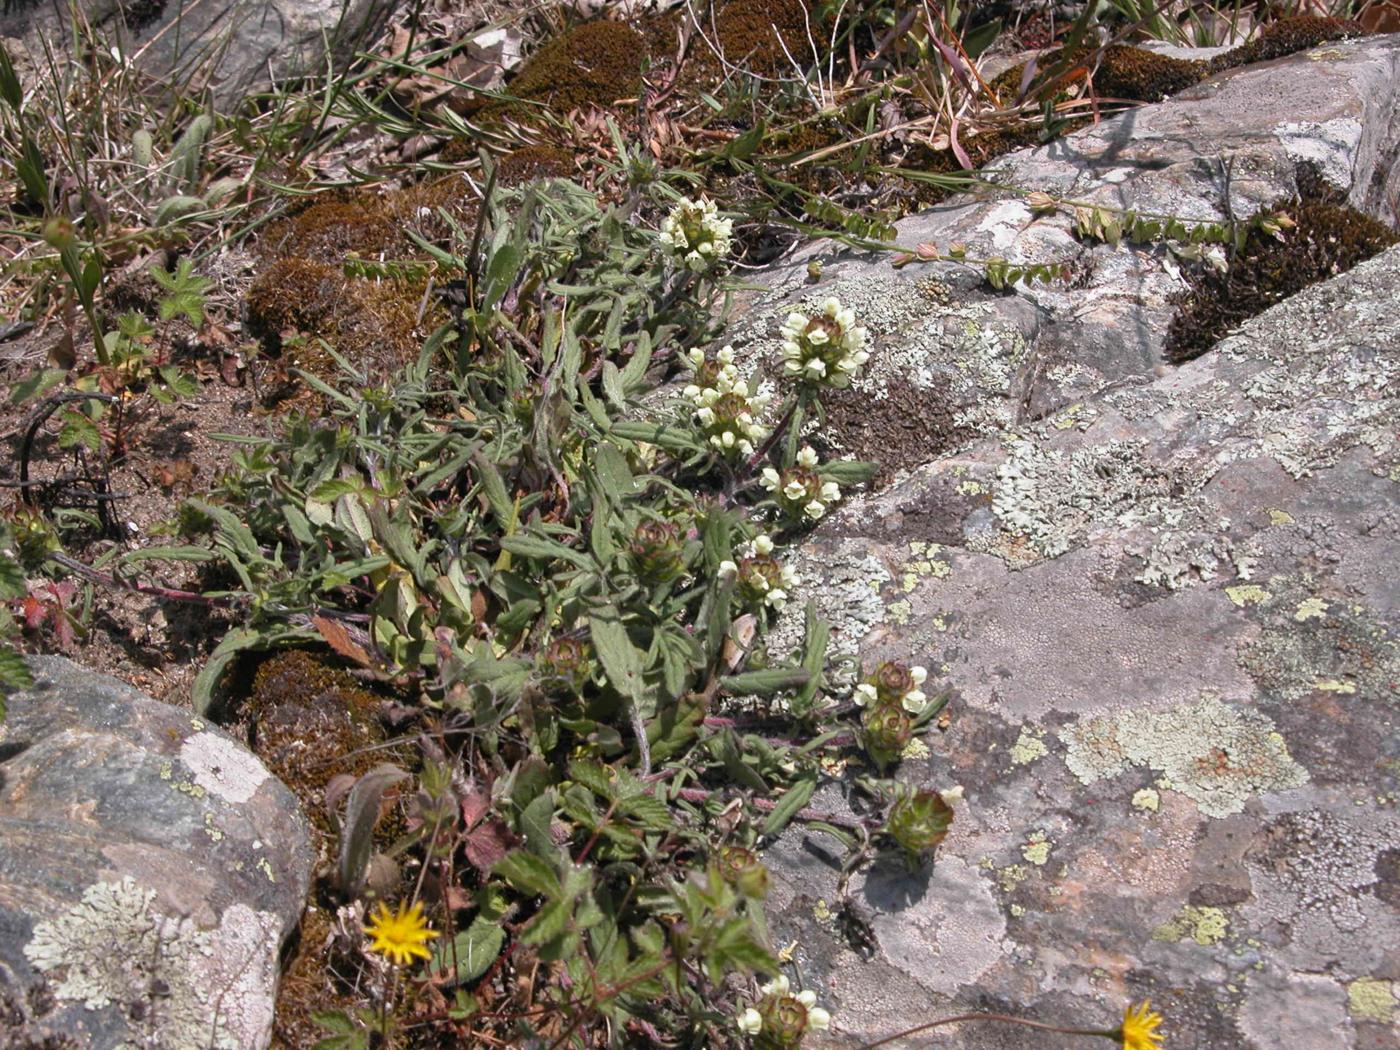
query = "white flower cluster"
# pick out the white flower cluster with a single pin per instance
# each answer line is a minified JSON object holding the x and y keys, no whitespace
{"x":827,"y":349}
{"x":776,"y":993}
{"x":724,"y":407}
{"x":911,"y":698}
{"x":696,"y":234}
{"x":762,"y":579}
{"x":799,"y":490}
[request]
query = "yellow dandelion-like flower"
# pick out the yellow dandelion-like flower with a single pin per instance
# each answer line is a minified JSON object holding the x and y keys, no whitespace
{"x":1139,"y":1030}
{"x":400,"y":935}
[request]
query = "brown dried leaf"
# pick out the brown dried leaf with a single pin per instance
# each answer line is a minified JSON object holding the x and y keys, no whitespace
{"x":340,"y":641}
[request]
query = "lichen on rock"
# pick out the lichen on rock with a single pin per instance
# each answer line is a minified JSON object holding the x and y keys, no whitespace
{"x":113,"y":948}
{"x":1217,"y":755}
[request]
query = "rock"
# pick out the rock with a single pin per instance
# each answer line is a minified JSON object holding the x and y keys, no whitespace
{"x":958,"y":360}
{"x":250,"y":41}
{"x":150,"y":869}
{"x":1163,"y":600}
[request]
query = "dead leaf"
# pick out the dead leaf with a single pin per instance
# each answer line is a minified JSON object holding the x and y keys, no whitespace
{"x":340,"y":641}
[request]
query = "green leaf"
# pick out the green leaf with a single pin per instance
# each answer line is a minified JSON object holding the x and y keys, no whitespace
{"x":238,"y":641}
{"x":549,"y":922}
{"x":357,"y":829}
{"x":673,"y":438}
{"x":36,"y":384}
{"x":622,"y":661}
{"x":12,"y":581}
{"x":767,"y":682}
{"x":847,"y":471}
{"x":540,"y":547}
{"x":790,"y":804}
{"x":468,"y":955}
{"x":495,"y":488}
{"x":528,"y":873}
{"x":535,"y":821}
{"x":14,"y":674}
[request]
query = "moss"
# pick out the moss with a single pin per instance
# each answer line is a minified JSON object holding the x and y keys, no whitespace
{"x":1328,"y":238}
{"x":328,"y":230}
{"x":1119,"y":72}
{"x":535,"y":162}
{"x":752,"y":34}
{"x":594,"y":64}
{"x":294,"y":293}
{"x":310,"y":722}
{"x":1287,"y":36}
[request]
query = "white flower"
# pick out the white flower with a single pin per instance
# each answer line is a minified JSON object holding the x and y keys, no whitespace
{"x":807,"y":457}
{"x":763,"y":544}
{"x":818,"y":1020}
{"x":815,"y":510}
{"x":751,"y":1021}
{"x":807,"y":998}
{"x":919,"y":674}
{"x":728,"y":568}
{"x":779,"y":987}
{"x":865,"y":694}
{"x":828,"y":348}
{"x":695,"y":233}
{"x":914,"y":701}
{"x":771,"y":480}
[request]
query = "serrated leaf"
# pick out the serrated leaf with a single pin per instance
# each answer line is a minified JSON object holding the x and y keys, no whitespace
{"x":468,"y":955}
{"x":621,"y":660}
{"x":528,"y":873}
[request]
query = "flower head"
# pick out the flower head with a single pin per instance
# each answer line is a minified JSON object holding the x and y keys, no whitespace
{"x":800,"y":490}
{"x":781,"y":1017}
{"x":826,"y":349}
{"x":724,"y":406}
{"x":762,"y":579}
{"x":696,"y":234}
{"x":400,"y":935}
{"x":1139,"y":1029}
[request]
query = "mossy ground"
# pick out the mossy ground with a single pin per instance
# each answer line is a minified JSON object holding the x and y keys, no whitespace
{"x":1328,"y":238}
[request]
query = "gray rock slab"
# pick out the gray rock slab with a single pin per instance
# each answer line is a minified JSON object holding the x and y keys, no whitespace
{"x":954,"y":360}
{"x":244,"y":44}
{"x":150,"y":869}
{"x":1172,"y":638}
{"x":1164,"y":601}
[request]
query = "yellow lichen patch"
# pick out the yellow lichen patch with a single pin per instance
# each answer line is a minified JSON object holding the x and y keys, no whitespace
{"x":1310,"y":609}
{"x":1370,"y":999}
{"x":1204,"y":925}
{"x":1147,"y":800}
{"x":1037,"y":849}
{"x":1280,"y":517}
{"x":1247,"y":594}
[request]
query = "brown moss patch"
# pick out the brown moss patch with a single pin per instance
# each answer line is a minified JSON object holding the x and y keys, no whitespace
{"x":594,"y":64}
{"x":327,"y":231}
{"x":1329,"y":238}
{"x":1288,"y":36}
{"x":752,"y":34}
{"x":1123,"y":72}
{"x":535,"y":162}
{"x":310,"y":722}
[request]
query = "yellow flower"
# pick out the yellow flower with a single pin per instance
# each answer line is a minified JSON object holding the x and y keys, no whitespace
{"x":1139,"y":1031}
{"x":400,"y":935}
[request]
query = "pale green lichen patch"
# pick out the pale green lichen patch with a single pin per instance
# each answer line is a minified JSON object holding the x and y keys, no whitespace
{"x":1052,"y":499}
{"x":1218,"y":756}
{"x":113,"y":948}
{"x":1370,"y":999}
{"x":1204,"y":925}
{"x":1028,"y":747}
{"x":1037,"y":849}
{"x":845,"y":584}
{"x":1310,"y":609}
